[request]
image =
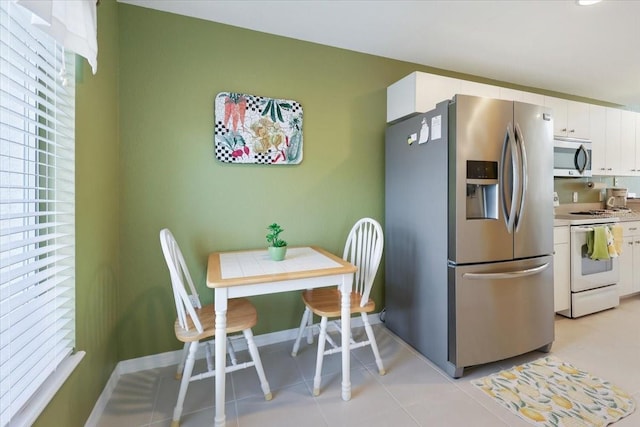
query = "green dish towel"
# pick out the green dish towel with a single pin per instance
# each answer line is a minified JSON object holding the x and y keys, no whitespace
{"x":597,"y":243}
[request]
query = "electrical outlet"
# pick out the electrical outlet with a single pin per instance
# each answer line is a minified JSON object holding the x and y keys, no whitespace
{"x":575,"y":197}
{"x":615,"y":181}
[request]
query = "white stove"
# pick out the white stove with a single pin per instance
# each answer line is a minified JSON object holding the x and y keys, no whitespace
{"x":593,"y":282}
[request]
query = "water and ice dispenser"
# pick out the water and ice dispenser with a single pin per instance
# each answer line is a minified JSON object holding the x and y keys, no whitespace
{"x":482,"y":189}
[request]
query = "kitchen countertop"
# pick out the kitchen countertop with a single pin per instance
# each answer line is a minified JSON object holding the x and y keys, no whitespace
{"x":563,"y":216}
{"x":566,"y":219}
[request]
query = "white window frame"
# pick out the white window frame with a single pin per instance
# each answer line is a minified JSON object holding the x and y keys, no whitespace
{"x":37,"y":217}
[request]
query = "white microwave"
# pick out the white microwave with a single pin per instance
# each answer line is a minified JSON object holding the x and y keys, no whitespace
{"x":571,"y":157}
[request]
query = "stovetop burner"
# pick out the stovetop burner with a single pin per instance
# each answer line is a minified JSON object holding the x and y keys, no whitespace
{"x":603,"y":212}
{"x":594,"y":212}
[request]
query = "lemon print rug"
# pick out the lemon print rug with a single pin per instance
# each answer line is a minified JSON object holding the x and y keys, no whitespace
{"x":553,"y":393}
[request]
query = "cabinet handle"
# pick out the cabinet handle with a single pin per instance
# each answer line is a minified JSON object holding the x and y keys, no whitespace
{"x":602,"y":169}
{"x":564,"y":130}
{"x":608,"y":169}
{"x":633,"y":228}
{"x":572,"y":130}
{"x":638,"y":241}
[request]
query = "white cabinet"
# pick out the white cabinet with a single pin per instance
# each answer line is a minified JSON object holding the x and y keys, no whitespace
{"x":521,"y":96}
{"x":531,"y":98}
{"x":478,"y":89}
{"x":612,"y":140}
{"x":637,"y":119}
{"x":418,"y":93}
{"x":613,"y":134}
{"x":629,"y":260}
{"x":598,"y":131}
{"x":561,"y":269}
{"x":628,"y":147}
{"x":570,"y":118}
{"x":510,"y":94}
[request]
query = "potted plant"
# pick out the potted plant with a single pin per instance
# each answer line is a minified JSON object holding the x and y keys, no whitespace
{"x":277,"y":247}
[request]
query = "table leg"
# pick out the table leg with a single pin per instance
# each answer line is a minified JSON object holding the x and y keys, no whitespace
{"x":221,"y":296}
{"x":347,"y":279}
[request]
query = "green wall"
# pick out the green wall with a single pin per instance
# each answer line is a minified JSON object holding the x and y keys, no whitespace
{"x":145,"y":161}
{"x":171,"y":68}
{"x":97,"y":222}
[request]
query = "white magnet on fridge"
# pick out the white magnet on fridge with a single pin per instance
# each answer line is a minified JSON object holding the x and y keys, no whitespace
{"x":424,"y":132}
{"x":436,"y":127}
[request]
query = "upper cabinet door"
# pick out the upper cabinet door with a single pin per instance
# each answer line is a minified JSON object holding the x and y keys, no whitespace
{"x":598,"y":132}
{"x":628,"y":165}
{"x":613,"y":141}
{"x":570,"y":118}
{"x":578,"y":120}
{"x":559,"y":108}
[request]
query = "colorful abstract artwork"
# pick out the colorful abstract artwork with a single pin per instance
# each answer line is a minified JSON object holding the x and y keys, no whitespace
{"x":255,"y":129}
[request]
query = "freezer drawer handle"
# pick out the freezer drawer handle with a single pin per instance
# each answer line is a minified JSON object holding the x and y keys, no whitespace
{"x":506,"y":275}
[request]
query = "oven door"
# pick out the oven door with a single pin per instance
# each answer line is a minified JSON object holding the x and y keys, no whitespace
{"x":585,"y":272}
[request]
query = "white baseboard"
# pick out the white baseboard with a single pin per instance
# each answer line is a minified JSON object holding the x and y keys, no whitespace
{"x":173,"y":358}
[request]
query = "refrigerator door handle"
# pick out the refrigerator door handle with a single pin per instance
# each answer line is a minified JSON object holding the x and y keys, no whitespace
{"x":507,"y":274}
{"x":509,"y":141}
{"x":523,"y":171}
{"x":503,"y":159}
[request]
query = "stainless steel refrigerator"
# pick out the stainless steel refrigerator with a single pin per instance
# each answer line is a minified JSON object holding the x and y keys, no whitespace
{"x":469,"y":231}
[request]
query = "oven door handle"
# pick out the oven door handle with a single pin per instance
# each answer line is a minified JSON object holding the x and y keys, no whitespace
{"x":506,"y":275}
{"x":581,"y":229}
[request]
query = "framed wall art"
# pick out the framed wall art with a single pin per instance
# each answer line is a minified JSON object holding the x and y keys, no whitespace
{"x":255,"y":129}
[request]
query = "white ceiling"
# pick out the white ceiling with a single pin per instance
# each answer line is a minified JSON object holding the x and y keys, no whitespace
{"x":592,"y":52}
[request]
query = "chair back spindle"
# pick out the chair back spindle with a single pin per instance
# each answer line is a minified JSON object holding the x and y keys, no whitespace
{"x":241,"y":316}
{"x":184,"y":291}
{"x":364,"y":249}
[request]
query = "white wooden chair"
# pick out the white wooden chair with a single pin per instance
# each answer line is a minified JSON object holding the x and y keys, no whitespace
{"x":196,"y":323}
{"x":363,"y":249}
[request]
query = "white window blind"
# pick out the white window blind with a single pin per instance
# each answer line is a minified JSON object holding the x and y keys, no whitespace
{"x":37,"y":212}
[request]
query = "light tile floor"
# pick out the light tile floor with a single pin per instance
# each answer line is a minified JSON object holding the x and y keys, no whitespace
{"x":413,"y":392}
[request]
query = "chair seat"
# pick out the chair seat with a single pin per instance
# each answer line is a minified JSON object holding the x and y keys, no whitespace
{"x":241,"y":315}
{"x":364,"y":250}
{"x":326,"y":302}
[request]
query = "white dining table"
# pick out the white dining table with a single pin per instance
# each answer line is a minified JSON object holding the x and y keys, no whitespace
{"x":251,"y":272}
